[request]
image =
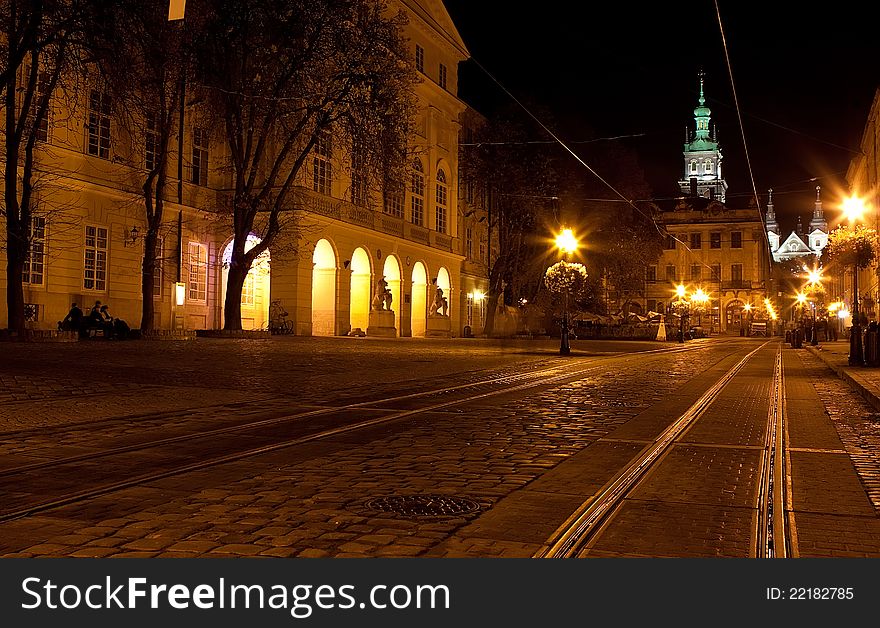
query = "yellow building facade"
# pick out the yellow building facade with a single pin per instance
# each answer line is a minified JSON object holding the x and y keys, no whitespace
{"x":89,"y":226}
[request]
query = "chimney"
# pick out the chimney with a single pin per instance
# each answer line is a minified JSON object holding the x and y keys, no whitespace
{"x":693,"y":186}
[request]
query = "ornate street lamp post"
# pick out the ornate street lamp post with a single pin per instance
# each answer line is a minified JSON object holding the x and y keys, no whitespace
{"x":681,"y":305}
{"x":567,"y":243}
{"x":854,"y":207}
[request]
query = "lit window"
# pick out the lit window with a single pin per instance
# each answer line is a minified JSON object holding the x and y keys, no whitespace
{"x":417,"y":190}
{"x":321,"y":167}
{"x":35,"y":260}
{"x":420,"y":59}
{"x":198,"y":272}
{"x":95,"y":268}
{"x":99,"y":124}
{"x":440,"y":199}
{"x":708,"y":166}
{"x":694,"y":165}
{"x":200,"y":157}
{"x":151,"y":142}
{"x":247,"y":290}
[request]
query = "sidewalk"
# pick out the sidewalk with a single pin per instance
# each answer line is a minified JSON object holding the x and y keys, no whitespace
{"x":864,"y":380}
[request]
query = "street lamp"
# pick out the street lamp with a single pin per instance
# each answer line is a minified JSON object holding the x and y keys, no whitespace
{"x":814,"y":285}
{"x":853,"y":209}
{"x":567,"y":243}
{"x":748,"y":308}
{"x":681,"y":305}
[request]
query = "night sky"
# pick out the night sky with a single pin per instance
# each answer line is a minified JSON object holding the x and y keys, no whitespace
{"x":805,"y":76}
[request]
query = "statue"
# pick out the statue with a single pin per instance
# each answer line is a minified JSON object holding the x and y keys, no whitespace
{"x":388,"y":298}
{"x":439,"y":305}
{"x":381,"y":296}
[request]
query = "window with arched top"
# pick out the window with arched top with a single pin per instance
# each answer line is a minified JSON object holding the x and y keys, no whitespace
{"x":417,"y":193}
{"x":708,"y":166}
{"x":694,"y":165}
{"x":441,"y":200}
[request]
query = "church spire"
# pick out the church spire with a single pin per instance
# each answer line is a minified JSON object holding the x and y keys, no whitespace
{"x":702,"y":155}
{"x":818,"y":221}
{"x":771,"y":214}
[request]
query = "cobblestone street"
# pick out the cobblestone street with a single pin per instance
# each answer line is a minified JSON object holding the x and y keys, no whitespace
{"x":363,"y":448}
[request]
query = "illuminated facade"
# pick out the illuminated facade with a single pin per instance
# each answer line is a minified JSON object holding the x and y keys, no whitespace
{"x":88,"y":231}
{"x":702,"y":157}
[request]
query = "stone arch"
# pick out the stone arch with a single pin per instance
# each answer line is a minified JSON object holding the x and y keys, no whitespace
{"x":324,"y":289}
{"x":391,"y":272}
{"x":419,"y":299}
{"x":734,"y":315}
{"x":361,"y":289}
{"x":255,"y":294}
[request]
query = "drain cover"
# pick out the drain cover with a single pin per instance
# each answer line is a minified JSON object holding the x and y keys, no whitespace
{"x":423,"y":505}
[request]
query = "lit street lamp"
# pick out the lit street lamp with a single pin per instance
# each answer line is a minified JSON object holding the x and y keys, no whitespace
{"x":567,"y":243}
{"x":748,"y":308}
{"x":854,"y":208}
{"x":681,"y":305}
{"x":814,"y":285}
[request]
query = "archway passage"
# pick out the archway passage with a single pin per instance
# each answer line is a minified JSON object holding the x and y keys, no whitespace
{"x":255,"y":292}
{"x":392,"y":276}
{"x":419,"y":299}
{"x":443,"y":283}
{"x":733,"y":316}
{"x":323,"y":290}
{"x":361,"y":287}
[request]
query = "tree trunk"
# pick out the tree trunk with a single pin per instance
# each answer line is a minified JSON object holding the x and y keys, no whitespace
{"x":14,"y":288}
{"x":234,"y":284}
{"x":148,"y":280}
{"x":491,"y":307}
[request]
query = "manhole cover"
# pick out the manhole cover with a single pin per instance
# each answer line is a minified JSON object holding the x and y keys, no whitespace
{"x":423,"y":505}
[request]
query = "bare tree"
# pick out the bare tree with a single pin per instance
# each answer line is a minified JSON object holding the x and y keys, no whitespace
{"x":287,"y":77}
{"x":43,"y":41}
{"x":519,"y":180}
{"x":147,"y":71}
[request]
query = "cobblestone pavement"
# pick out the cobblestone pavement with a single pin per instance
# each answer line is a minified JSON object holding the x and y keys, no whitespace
{"x":516,"y":464}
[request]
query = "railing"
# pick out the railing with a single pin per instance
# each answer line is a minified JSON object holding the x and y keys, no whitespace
{"x":441,"y":241}
{"x":736,"y":284}
{"x":418,"y":234}
{"x":391,"y":224}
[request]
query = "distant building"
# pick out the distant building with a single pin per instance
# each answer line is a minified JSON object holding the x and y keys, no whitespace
{"x":799,"y":243}
{"x":709,"y":245}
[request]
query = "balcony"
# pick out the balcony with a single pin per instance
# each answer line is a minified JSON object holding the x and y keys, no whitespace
{"x":736,"y":284}
{"x":347,"y":212}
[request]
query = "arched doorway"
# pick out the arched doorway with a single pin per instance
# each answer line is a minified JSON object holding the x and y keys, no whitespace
{"x":419,"y":299}
{"x":733,"y":316}
{"x":392,"y":276}
{"x":361,"y":289}
{"x":323,"y":290}
{"x":255,"y":292}
{"x":443,"y":283}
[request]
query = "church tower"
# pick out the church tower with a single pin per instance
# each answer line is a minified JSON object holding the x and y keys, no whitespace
{"x":818,"y":226}
{"x":772,"y":226}
{"x":702,"y":157}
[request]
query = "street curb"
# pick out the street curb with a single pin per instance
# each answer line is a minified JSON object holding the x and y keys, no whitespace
{"x":854,"y":381}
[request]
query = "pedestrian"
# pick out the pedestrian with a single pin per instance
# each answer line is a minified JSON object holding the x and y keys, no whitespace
{"x":73,"y":320}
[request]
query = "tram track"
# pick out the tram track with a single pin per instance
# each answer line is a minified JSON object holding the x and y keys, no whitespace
{"x":586,"y":523}
{"x":14,"y":481}
{"x":772,"y":534}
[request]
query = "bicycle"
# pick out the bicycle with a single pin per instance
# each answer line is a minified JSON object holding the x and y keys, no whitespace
{"x":278,"y":323}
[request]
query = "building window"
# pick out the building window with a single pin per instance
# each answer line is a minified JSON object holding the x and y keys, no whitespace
{"x":198,"y":272}
{"x":157,"y":268}
{"x":708,"y":167}
{"x":483,"y":251}
{"x":670,"y":242}
{"x":420,"y":59}
{"x":440,"y":198}
{"x":470,"y":311}
{"x":247,"y":290}
{"x":359,"y":188}
{"x":716,"y":272}
{"x":652,"y":274}
{"x":736,"y":273}
{"x":95,"y":275}
{"x":696,"y":241}
{"x":99,"y":124}
{"x":736,"y":239}
{"x":151,"y":143}
{"x":394,"y":203}
{"x":321,"y":167}
{"x":35,"y":261}
{"x":417,"y":190}
{"x":442,"y":80}
{"x":469,"y":193}
{"x":41,"y":130}
{"x":696,"y":272}
{"x":200,"y":157}
{"x":670,"y":272}
{"x":693,"y":165}
{"x":715,"y":240}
